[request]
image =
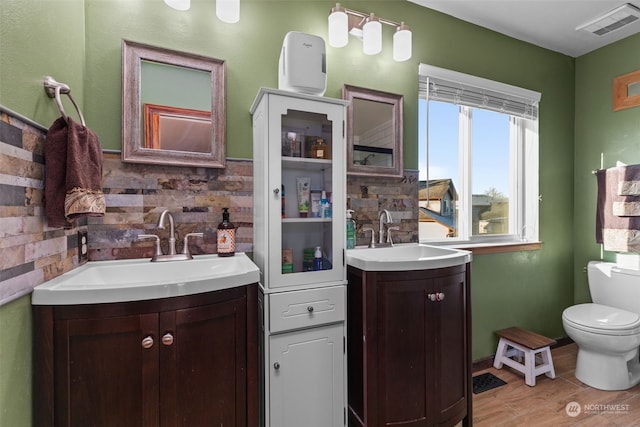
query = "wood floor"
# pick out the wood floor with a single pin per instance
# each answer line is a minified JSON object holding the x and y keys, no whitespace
{"x":516,"y":404}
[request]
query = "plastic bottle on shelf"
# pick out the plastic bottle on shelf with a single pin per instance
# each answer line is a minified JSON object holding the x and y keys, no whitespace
{"x":351,"y":230}
{"x":317,"y":259}
{"x":324,"y":204}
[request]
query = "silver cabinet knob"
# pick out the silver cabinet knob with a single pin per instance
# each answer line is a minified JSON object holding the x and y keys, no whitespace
{"x":310,"y":309}
{"x":438,"y":296}
{"x":276,"y":366}
{"x":147,"y":342}
{"x":276,"y":191}
{"x":167,"y":339}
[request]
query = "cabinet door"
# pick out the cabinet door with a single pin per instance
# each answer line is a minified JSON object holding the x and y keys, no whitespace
{"x":449,"y":325}
{"x":203,"y":379}
{"x":307,"y":378}
{"x":107,"y":371}
{"x":295,"y":125}
{"x":404,"y":353}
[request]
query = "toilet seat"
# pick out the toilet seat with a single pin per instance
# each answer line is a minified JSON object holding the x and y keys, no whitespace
{"x":602,"y":319}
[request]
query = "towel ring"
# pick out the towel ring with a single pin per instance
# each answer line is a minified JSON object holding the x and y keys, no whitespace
{"x":54,"y":89}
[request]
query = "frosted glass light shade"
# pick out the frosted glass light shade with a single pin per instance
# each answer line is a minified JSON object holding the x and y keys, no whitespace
{"x":338,"y":27}
{"x":372,"y":36}
{"x":178,"y":4}
{"x":402,"y":43}
{"x":228,"y":11}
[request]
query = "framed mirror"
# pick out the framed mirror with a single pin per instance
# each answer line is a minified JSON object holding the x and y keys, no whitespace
{"x":374,"y":132}
{"x":173,"y":107}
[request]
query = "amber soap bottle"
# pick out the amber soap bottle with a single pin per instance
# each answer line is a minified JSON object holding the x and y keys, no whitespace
{"x":226,"y":235}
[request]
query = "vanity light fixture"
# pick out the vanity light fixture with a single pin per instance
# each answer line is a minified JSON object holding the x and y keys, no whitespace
{"x":226,"y":10}
{"x":179,"y":4}
{"x":402,"y":43}
{"x":368,"y":28}
{"x":372,"y":36}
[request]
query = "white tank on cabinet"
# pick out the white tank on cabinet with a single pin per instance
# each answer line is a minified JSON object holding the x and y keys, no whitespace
{"x":303,"y":66}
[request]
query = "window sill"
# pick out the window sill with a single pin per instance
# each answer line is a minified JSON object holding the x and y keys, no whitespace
{"x":494,"y":248}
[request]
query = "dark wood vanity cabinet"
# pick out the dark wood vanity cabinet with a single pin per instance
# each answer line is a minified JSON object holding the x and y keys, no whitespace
{"x":184,"y":361}
{"x":409,"y":346}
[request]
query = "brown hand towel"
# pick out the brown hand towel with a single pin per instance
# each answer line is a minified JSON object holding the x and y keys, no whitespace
{"x":73,"y":167}
{"x":55,"y":156}
{"x":84,"y":195}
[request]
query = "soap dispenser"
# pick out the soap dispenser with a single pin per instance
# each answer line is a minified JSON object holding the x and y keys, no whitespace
{"x":226,"y":236}
{"x":351,"y":230}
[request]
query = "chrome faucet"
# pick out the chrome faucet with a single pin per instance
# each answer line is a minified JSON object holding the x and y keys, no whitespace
{"x":389,"y":220}
{"x":384,"y":218}
{"x":172,"y":236}
{"x":172,"y":255}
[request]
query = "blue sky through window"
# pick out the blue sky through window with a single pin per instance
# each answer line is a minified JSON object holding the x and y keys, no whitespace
{"x":490,"y":161}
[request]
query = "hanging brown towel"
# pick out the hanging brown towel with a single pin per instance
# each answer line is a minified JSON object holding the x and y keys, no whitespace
{"x":84,"y":195}
{"x":73,"y":173}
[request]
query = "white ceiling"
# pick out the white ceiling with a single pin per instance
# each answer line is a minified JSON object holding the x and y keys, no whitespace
{"x":550,"y":24}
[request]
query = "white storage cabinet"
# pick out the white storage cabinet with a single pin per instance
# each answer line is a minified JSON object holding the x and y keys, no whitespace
{"x":302,"y":310}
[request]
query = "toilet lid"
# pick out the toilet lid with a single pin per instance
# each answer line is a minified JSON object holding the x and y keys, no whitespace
{"x":601,"y":318}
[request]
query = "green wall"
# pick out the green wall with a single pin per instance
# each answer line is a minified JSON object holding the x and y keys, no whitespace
{"x":602,"y":138}
{"x":78,"y":42}
{"x":15,"y":363}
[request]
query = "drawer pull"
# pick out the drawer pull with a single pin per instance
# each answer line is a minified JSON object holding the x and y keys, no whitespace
{"x":276,"y":366}
{"x":147,"y":342}
{"x":167,"y":339}
{"x":310,"y":309}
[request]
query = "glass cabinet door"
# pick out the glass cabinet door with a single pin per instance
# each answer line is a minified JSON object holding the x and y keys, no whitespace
{"x":307,"y":205}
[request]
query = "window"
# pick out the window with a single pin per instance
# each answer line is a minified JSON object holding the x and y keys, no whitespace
{"x":478,"y":163}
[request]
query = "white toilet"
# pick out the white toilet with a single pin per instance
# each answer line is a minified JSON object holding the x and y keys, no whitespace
{"x":607,"y":331}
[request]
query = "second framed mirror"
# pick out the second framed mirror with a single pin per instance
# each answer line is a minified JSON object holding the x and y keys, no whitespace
{"x":374,"y":132}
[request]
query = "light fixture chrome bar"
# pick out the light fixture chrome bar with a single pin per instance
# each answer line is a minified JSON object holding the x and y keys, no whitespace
{"x":364,"y":17}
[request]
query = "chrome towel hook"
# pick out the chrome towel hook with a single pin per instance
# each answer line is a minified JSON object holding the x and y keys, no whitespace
{"x":54,"y":89}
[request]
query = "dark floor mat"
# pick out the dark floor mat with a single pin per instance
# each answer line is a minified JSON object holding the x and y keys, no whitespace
{"x":486,"y":381}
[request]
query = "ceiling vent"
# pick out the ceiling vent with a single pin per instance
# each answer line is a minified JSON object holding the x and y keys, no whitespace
{"x":612,"y":21}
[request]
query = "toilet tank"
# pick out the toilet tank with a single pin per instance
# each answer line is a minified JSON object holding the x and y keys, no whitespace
{"x":614,"y":286}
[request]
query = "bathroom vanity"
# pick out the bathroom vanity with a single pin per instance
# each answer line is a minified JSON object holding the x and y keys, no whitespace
{"x":409,"y":340}
{"x":187,"y":359}
{"x":302,"y":304}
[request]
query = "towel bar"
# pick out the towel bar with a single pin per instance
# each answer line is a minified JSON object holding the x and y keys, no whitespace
{"x":54,"y":89}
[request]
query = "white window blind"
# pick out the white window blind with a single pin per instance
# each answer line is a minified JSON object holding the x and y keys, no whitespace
{"x":463,"y":89}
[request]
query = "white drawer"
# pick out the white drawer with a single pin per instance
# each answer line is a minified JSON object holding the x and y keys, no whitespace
{"x":306,"y":308}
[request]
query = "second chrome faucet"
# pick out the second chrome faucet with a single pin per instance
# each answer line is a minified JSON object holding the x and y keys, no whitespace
{"x":384,"y":220}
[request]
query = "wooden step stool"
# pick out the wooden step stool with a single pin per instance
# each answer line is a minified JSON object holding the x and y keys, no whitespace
{"x":522,"y":343}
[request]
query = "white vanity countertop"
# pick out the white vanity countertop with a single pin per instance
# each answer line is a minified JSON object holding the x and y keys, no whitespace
{"x":139,"y":279}
{"x":405,"y":257}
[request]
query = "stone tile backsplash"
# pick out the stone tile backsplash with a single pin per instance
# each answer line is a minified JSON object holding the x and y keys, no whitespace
{"x":136,"y":194}
{"x":31,"y":252}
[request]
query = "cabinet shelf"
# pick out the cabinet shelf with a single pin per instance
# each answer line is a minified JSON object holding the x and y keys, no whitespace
{"x":306,"y":163}
{"x":305,"y":220}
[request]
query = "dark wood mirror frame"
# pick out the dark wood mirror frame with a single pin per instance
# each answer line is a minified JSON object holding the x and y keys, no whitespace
{"x":134,"y":149}
{"x":395,"y":102}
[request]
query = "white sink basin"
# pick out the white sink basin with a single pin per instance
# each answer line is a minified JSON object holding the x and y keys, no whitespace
{"x":405,"y":257}
{"x":140,"y":279}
